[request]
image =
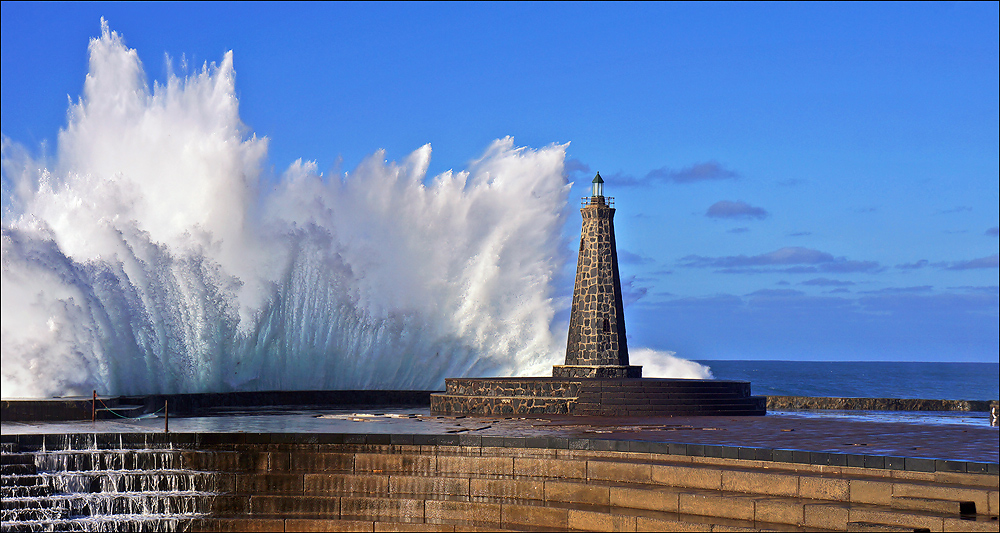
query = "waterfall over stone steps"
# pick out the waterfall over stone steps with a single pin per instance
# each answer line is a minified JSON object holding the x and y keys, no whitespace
{"x":101,"y":490}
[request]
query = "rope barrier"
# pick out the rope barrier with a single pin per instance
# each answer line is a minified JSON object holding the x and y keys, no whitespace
{"x":112,"y":411}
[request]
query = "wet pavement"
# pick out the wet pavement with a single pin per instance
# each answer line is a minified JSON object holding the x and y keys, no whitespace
{"x":957,"y":436}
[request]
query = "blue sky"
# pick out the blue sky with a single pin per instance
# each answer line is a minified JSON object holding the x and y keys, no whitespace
{"x":794,"y":181}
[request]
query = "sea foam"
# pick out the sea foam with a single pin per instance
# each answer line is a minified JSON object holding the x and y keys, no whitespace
{"x":151,"y":254}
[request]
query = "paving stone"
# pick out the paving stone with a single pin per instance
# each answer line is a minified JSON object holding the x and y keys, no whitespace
{"x":643,"y":523}
{"x":895,"y":518}
{"x":958,"y":494}
{"x":826,"y":516}
{"x":313,"y":506}
{"x":598,"y":521}
{"x":528,"y":466}
{"x":476,"y":465}
{"x":757,"y":482}
{"x":392,"y":527}
{"x":686,"y":476}
{"x":534,"y":515}
{"x":569,"y":491}
{"x":345,"y":483}
{"x":779,"y":511}
{"x":413,"y":464}
{"x":822,"y":488}
{"x":305,"y":524}
{"x":508,"y":488}
{"x":869,"y":491}
{"x":652,"y":498}
{"x":970,"y":524}
{"x":322,"y":462}
{"x":633,"y":473}
{"x":705,"y":504}
{"x":267,"y":483}
{"x":429,"y":485}
{"x":472,"y":511}
{"x":382,"y":508}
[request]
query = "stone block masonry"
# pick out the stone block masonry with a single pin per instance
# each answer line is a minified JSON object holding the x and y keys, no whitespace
{"x":289,"y":482}
{"x":596,"y":346}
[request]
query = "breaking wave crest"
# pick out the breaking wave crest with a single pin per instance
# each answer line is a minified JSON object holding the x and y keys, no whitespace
{"x":145,"y":258}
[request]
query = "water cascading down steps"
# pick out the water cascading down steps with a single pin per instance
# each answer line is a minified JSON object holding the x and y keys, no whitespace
{"x":313,"y":482}
{"x":101,"y":490}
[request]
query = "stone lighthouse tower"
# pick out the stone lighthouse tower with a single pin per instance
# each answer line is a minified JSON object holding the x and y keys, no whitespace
{"x":596,"y":347}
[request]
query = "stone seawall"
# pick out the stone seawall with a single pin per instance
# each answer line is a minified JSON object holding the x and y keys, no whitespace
{"x":379,"y":482}
{"x":876,"y":404}
{"x":53,"y":409}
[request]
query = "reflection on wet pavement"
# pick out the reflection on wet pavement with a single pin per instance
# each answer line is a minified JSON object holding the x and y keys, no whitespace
{"x":949,"y":435}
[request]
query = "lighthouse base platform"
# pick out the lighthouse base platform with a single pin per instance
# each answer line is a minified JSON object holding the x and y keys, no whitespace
{"x":596,"y":397}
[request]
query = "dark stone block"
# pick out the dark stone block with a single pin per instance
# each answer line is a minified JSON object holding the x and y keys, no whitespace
{"x":977,"y":468}
{"x":180,"y":440}
{"x":993,"y":468}
{"x":513,"y":442}
{"x":782,"y":456}
{"x":677,"y":448}
{"x":536,"y":442}
{"x":620,"y":445}
{"x":949,"y":466}
{"x":558,"y":443}
{"x":819,"y":458}
{"x":492,"y":442}
{"x":748,"y":453}
{"x":221,"y":439}
{"x":918,"y":464}
{"x":470,"y":440}
{"x":602,"y":445}
{"x":378,"y":438}
{"x":659,"y":447}
{"x":801,"y":457}
{"x":579,"y":444}
{"x":714,"y":451}
{"x":895,"y":463}
{"x":401,"y":440}
{"x":426,"y":440}
{"x":763,"y":454}
{"x":857,"y":461}
{"x":874,"y":461}
{"x":638,"y":446}
{"x":448,"y":440}
{"x":324,"y":438}
{"x":257,"y":438}
{"x":80,"y":441}
{"x":354,"y":438}
{"x":838,"y":459}
{"x":731,"y":452}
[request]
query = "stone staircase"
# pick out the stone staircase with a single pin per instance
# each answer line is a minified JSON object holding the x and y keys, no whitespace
{"x":596,"y":397}
{"x":317,"y":482}
{"x":455,"y":488}
{"x":100,"y":490}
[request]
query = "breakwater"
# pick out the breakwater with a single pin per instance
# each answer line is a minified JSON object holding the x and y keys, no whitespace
{"x":373,"y":482}
{"x":877,"y":404}
{"x":51,"y":409}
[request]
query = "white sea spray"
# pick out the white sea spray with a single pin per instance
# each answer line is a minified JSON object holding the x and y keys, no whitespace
{"x":152,"y":255}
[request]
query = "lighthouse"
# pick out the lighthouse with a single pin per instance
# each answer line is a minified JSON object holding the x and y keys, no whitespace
{"x":596,"y":346}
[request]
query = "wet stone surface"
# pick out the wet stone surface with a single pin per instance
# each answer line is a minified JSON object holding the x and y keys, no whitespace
{"x":943,"y":436}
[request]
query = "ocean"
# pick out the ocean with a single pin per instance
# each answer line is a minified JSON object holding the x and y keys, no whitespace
{"x":935,"y":381}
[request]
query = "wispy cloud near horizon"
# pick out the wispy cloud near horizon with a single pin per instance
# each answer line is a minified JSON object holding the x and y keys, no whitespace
{"x":796,"y":259}
{"x":707,"y":171}
{"x":738,"y":209}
